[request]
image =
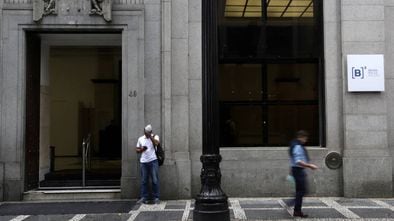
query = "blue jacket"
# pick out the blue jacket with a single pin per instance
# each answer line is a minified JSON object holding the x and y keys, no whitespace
{"x":297,"y":153}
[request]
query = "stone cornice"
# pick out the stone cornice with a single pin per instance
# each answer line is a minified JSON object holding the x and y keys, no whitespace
{"x":115,"y":2}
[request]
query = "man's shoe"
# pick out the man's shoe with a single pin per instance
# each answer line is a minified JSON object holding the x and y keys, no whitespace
{"x":142,"y":200}
{"x":299,"y":214}
{"x":157,"y":201}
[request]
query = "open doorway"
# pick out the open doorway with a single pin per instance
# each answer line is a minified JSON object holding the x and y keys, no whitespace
{"x":84,"y":113}
{"x":79,"y":120}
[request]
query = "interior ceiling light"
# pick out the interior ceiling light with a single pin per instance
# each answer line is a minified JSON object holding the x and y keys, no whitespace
{"x":275,"y":8}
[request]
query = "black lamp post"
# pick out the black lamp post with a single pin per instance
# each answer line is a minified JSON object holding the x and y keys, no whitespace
{"x":211,"y":203}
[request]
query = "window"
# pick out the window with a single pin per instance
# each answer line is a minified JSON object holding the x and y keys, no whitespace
{"x":270,"y":71}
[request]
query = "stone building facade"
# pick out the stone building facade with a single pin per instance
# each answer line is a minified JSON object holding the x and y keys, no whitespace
{"x":161,"y":84}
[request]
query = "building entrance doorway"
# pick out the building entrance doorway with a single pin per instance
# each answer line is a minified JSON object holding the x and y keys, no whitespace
{"x":79,"y":111}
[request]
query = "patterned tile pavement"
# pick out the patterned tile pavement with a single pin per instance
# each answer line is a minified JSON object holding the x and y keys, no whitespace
{"x":240,"y":209}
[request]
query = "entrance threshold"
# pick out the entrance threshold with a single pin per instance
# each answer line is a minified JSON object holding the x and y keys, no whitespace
{"x":73,"y":188}
{"x":72,"y":194}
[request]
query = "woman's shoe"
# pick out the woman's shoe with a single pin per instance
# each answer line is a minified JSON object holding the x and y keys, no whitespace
{"x":299,"y":214}
{"x":142,"y":200}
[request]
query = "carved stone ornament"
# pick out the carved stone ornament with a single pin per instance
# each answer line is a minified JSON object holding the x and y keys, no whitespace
{"x":49,"y":7}
{"x":43,"y":7}
{"x":102,"y":8}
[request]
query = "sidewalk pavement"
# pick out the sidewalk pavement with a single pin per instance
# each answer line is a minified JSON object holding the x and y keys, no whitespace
{"x":240,"y":209}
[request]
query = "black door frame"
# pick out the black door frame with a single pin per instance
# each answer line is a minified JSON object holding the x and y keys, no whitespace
{"x":32,"y":126}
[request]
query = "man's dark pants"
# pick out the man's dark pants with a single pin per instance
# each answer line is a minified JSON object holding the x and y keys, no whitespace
{"x":150,"y":170}
{"x":301,"y":188}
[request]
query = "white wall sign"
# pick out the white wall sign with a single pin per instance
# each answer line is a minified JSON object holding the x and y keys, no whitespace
{"x":365,"y":72}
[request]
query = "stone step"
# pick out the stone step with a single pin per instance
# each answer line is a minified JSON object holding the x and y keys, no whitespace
{"x":76,"y":183}
{"x":71,"y":194}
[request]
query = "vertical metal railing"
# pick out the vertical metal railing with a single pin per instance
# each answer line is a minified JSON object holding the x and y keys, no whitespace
{"x":83,"y":161}
{"x":85,"y":157}
{"x":51,"y":159}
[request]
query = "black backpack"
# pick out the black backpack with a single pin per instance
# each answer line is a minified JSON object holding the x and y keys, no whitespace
{"x":160,"y":154}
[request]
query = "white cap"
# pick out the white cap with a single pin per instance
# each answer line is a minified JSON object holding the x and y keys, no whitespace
{"x":148,"y":128}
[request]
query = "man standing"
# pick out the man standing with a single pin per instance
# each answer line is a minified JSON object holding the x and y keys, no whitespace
{"x":149,"y":165}
{"x":299,"y":160}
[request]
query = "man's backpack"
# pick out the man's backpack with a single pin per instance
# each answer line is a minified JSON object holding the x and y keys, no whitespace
{"x":160,"y":154}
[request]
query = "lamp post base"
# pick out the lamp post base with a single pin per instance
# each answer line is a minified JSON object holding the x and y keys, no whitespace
{"x":211,"y":203}
{"x":211,"y":211}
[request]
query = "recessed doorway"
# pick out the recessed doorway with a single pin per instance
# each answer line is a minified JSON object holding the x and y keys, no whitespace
{"x":80,"y":121}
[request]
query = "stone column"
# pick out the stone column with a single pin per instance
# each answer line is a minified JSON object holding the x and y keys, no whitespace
{"x":1,"y":105}
{"x":367,"y":161}
{"x":1,"y":67}
{"x":180,"y":94}
{"x":195,"y":90}
{"x":389,"y":66}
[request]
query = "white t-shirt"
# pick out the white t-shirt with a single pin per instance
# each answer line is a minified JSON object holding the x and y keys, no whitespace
{"x":149,"y":154}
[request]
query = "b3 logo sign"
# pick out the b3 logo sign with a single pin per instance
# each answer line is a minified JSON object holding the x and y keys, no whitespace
{"x":358,"y":72}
